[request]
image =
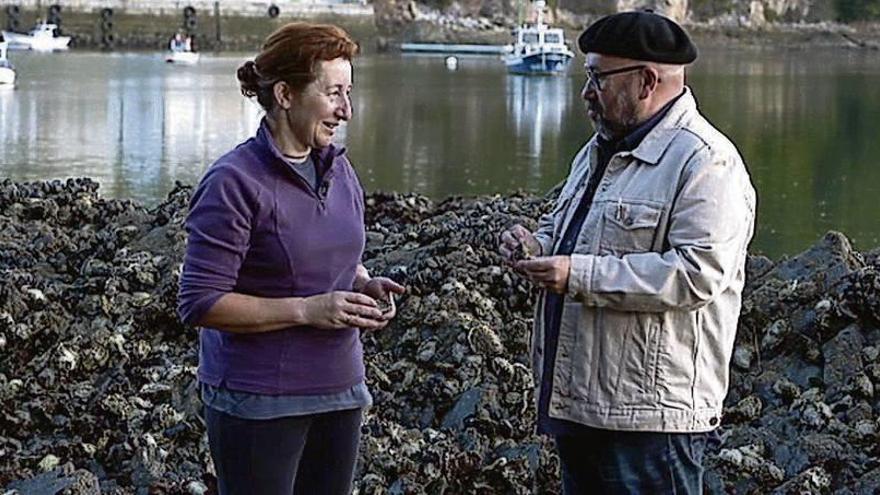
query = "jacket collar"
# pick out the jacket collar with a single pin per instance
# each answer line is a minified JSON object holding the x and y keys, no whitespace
{"x":655,"y":143}
{"x":323,"y":157}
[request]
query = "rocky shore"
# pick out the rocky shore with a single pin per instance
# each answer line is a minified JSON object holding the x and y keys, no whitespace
{"x":738,"y":23}
{"x":97,"y":376}
{"x":474,"y":21}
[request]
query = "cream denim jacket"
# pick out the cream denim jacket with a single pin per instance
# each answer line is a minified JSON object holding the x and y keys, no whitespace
{"x":655,"y":285}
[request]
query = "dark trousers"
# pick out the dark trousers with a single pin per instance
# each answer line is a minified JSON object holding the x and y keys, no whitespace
{"x":615,"y":462}
{"x":293,"y":455}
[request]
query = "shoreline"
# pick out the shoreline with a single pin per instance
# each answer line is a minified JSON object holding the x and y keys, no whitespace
{"x":388,"y":28}
{"x":98,"y":380}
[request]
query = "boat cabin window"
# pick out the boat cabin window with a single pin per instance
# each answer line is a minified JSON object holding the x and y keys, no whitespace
{"x":551,"y":38}
{"x":530,"y":37}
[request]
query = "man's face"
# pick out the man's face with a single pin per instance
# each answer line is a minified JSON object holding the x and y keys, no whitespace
{"x":613,"y":109}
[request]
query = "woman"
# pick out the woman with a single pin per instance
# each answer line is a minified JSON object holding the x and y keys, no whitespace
{"x":272,"y":274}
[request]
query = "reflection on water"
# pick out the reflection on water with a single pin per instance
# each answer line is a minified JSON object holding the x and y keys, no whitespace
{"x":533,"y":106}
{"x":421,"y":127}
{"x":807,"y":125}
{"x":127,"y":120}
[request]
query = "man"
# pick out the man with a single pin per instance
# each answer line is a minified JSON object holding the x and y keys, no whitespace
{"x":642,"y":265}
{"x":177,"y":43}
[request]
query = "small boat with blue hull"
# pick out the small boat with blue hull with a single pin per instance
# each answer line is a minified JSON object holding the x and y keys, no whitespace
{"x":538,"y":49}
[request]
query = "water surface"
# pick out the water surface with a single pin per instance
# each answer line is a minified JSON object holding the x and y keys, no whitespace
{"x":807,"y":122}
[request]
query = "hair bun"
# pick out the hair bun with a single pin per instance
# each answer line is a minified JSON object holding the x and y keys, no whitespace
{"x":249,"y":79}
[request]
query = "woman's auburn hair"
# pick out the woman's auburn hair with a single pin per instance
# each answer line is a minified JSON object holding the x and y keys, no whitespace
{"x":292,"y":54}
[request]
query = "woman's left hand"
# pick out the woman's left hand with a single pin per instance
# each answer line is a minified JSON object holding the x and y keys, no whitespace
{"x":382,"y":289}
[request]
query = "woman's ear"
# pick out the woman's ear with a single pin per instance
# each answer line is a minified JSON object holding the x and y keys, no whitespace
{"x":283,"y":95}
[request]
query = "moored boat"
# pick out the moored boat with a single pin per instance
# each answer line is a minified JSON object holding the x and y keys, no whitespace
{"x":43,"y":37}
{"x":538,"y":48}
{"x":7,"y":72}
{"x":180,"y":50}
{"x":185,"y":58}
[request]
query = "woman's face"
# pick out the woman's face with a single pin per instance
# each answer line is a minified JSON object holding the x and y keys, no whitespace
{"x":323,"y":105}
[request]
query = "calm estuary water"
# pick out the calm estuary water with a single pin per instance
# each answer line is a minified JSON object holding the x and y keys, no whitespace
{"x":807,"y":122}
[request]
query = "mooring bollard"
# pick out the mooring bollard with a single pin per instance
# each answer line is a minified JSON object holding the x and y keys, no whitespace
{"x":217,"y":24}
{"x":53,"y":16}
{"x":12,"y":17}
{"x":108,"y":37}
{"x":190,"y":22}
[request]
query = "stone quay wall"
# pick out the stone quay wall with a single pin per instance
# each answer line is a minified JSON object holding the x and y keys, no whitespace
{"x":227,"y":7}
{"x":148,"y":25}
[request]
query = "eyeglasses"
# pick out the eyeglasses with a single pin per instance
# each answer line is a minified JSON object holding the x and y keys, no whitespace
{"x":595,"y":77}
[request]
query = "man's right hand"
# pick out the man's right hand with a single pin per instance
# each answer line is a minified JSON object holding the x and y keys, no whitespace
{"x":341,"y":309}
{"x":515,"y":236}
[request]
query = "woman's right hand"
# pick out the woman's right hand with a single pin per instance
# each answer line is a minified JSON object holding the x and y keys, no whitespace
{"x":340,"y":309}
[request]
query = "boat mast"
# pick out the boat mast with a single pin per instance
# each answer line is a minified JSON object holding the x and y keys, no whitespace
{"x":539,"y":10}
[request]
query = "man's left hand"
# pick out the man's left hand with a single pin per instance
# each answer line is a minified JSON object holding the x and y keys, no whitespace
{"x":549,"y":272}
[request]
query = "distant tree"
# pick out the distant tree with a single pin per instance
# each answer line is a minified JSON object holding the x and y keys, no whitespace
{"x":706,"y":9}
{"x":857,"y":10}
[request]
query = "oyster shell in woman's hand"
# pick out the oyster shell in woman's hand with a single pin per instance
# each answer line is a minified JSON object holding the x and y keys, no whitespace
{"x":386,"y":305}
{"x":384,"y":298}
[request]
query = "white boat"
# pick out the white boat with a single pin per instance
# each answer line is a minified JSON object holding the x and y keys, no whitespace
{"x":43,"y":37}
{"x":7,"y":72}
{"x":538,"y":49}
{"x":185,"y":58}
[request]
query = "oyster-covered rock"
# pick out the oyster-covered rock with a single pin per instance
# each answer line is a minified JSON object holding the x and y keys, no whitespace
{"x":98,"y":387}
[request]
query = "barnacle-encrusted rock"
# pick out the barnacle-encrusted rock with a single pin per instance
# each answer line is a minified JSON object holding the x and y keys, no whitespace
{"x":98,"y":388}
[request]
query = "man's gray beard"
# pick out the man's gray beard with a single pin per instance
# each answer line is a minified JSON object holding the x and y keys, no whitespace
{"x":611,"y":132}
{"x":602,"y":129}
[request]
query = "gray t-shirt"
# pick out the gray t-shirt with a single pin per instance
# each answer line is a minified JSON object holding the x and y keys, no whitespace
{"x":305,"y":169}
{"x":259,"y":406}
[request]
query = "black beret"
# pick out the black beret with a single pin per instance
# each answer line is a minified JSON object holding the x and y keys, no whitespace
{"x":639,"y":36}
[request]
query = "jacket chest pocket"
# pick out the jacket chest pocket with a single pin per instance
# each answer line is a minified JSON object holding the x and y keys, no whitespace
{"x":629,"y":227}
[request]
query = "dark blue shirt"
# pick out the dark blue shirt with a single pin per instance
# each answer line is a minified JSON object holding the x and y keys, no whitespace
{"x":553,"y":302}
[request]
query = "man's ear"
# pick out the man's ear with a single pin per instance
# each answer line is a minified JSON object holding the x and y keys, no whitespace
{"x":650,"y":80}
{"x":283,"y":95}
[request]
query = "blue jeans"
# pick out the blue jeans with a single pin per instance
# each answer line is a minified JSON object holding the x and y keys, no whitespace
{"x":621,"y":462}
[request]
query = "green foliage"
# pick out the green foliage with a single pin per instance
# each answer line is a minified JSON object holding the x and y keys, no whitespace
{"x":857,"y":10}
{"x":437,"y":4}
{"x":705,"y":9}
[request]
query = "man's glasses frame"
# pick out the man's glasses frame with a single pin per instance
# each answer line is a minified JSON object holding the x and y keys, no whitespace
{"x":595,"y":77}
